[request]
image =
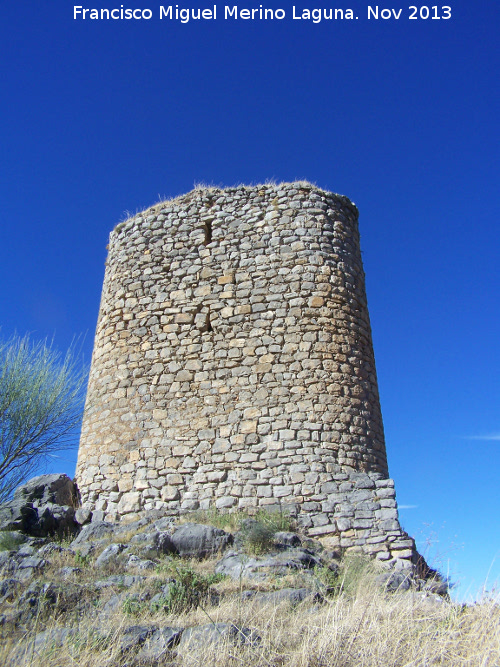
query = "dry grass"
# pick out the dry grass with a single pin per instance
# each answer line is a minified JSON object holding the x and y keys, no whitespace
{"x":359,"y":627}
{"x":366,"y":631}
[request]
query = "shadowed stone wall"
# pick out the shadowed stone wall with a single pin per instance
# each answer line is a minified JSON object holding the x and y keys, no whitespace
{"x":233,"y":367}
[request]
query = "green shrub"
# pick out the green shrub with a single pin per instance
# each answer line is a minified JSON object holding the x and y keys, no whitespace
{"x":133,"y":605}
{"x":257,"y":537}
{"x":188,"y":590}
{"x":10,"y":541}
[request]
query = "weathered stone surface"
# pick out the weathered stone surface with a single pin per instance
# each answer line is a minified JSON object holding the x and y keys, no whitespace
{"x":43,"y":506}
{"x":8,"y":588}
{"x":126,"y":580}
{"x":287,"y":539}
{"x":43,"y":642}
{"x":395,"y":581}
{"x":198,"y":540}
{"x":57,"y":489}
{"x":134,"y":562}
{"x":292,"y":596}
{"x":93,"y":531}
{"x":152,"y":544}
{"x":237,"y":565}
{"x":134,"y":636}
{"x":83,"y":516}
{"x":110,"y":554}
{"x":200,"y":636}
{"x":18,"y":515}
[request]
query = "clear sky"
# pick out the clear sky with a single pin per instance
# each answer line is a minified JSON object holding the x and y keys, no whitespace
{"x":100,"y":118}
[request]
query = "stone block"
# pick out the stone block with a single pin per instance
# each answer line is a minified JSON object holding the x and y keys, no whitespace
{"x":129,"y":502}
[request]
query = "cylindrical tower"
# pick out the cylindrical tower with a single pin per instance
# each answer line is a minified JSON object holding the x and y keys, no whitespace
{"x":233,"y":365}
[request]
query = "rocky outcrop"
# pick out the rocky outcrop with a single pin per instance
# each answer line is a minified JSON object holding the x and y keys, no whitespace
{"x":43,"y":506}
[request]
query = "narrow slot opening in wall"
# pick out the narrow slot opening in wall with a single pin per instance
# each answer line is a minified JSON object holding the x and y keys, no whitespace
{"x":208,"y":324}
{"x":207,"y":228}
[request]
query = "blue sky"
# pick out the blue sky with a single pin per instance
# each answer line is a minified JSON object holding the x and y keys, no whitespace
{"x":101,"y":118}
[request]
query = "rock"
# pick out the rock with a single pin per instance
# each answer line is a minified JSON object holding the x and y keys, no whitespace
{"x":18,"y":515}
{"x":109,"y":554}
{"x":32,"y":562}
{"x":37,"y":597}
{"x":52,"y":548}
{"x":161,"y":599}
{"x":26,"y":550}
{"x":152,"y":640}
{"x":44,"y":505}
{"x":395,"y":581}
{"x":437,"y":586}
{"x":292,"y":596}
{"x":83,"y":516}
{"x":160,"y":641}
{"x":68,"y":571}
{"x":287,"y":539}
{"x":164,"y":524}
{"x":56,"y":489}
{"x":8,"y":589}
{"x":86,"y":549}
{"x":153,"y":544}
{"x":12,"y":539}
{"x":195,"y":540}
{"x":54,"y":518}
{"x":97,"y":530}
{"x":126,"y":580}
{"x":27,"y":651}
{"x":111,"y":606}
{"x":8,"y":564}
{"x":134,"y":636}
{"x":30,"y":512}
{"x":139,"y":563}
{"x":236,"y":565}
{"x":131,"y":526}
{"x":30,"y":566}
{"x":199,"y":636}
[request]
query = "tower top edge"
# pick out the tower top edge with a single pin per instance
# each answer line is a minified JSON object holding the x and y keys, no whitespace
{"x":206,"y":193}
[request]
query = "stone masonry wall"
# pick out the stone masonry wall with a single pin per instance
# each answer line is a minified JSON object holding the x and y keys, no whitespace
{"x":233,"y":367}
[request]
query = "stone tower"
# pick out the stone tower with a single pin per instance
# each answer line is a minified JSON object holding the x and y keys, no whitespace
{"x":233,"y":367}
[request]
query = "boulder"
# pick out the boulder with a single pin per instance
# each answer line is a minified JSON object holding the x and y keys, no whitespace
{"x":160,"y":641}
{"x":395,"y":581}
{"x":18,"y":515}
{"x":195,"y":540}
{"x":134,"y":562}
{"x":43,"y":506}
{"x":83,"y":516}
{"x":237,"y":565}
{"x":8,"y":589}
{"x":134,"y":636}
{"x":152,"y":641}
{"x":292,"y":596}
{"x":286,"y":539}
{"x":201,"y":636}
{"x":91,"y":532}
{"x":56,"y":489}
{"x":120,"y":580}
{"x":153,"y":544}
{"x":110,"y":554}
